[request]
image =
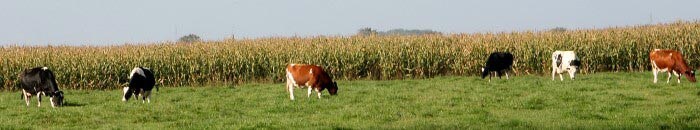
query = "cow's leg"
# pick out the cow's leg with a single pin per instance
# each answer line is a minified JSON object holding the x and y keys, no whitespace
{"x":147,"y":96}
{"x":290,"y":89}
{"x":561,"y":77}
{"x":668,"y":80}
{"x":290,"y":84}
{"x":677,"y":75}
{"x":291,"y":92}
{"x":51,"y":100}
{"x":137,"y":94}
{"x":142,"y":97}
{"x":318,"y":91}
{"x":26,"y":96}
{"x":38,"y":98}
{"x":499,"y":74}
{"x":506,"y":74}
{"x":309,"y":93}
{"x":656,"y":74}
{"x":554,"y":72}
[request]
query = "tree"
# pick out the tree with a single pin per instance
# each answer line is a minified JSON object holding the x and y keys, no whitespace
{"x":189,"y":38}
{"x":558,"y":29}
{"x":401,"y":31}
{"x":366,"y":32}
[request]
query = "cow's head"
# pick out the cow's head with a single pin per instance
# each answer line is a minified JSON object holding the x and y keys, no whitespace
{"x":574,"y":65}
{"x":56,"y":98}
{"x":333,"y":89}
{"x":484,"y":72}
{"x":127,"y":94}
{"x":690,"y":75}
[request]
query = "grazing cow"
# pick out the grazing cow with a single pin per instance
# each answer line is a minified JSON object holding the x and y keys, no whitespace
{"x":498,"y":62}
{"x":38,"y":81}
{"x":565,"y":61}
{"x":141,"y":82}
{"x":670,"y":61}
{"x":310,"y":76}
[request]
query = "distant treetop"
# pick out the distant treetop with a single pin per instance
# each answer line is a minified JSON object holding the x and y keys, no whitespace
{"x":369,"y":31}
{"x":558,"y":29}
{"x":189,"y":38}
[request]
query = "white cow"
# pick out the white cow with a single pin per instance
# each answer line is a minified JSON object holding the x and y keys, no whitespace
{"x":565,"y":61}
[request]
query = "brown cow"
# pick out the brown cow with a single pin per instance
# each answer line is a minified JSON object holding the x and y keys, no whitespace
{"x":311,"y":76}
{"x":670,"y":61}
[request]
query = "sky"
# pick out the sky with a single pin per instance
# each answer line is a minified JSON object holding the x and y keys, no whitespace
{"x":115,"y":22}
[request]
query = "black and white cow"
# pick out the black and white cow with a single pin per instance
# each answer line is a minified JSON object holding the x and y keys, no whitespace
{"x":565,"y":61}
{"x":498,"y":62}
{"x":141,"y":82}
{"x":40,"y":81}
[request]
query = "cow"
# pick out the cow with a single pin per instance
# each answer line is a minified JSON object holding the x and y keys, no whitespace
{"x":141,"y":82}
{"x":565,"y":61}
{"x":498,"y":62}
{"x":310,"y":76}
{"x":40,"y":81}
{"x":670,"y":61}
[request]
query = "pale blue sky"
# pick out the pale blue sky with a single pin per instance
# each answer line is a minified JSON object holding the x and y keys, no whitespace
{"x":106,"y":22}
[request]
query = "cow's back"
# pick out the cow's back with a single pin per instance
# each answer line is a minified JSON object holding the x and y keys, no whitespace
{"x":664,"y":58}
{"x":30,"y":79}
{"x":302,"y":73}
{"x":150,"y":80}
{"x":499,"y":60}
{"x":563,"y":59}
{"x":142,"y":78}
{"x":38,"y":79}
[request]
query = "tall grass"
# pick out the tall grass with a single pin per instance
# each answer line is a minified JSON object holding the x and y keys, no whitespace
{"x":370,"y":57}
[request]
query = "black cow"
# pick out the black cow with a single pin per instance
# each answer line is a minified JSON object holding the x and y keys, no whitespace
{"x":38,"y":81}
{"x":499,"y":62}
{"x":141,"y":82}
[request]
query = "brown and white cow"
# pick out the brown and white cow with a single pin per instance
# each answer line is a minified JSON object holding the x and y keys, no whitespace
{"x":310,"y":76}
{"x":670,"y":61}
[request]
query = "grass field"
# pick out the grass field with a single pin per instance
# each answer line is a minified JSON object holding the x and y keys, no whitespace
{"x":602,"y":100}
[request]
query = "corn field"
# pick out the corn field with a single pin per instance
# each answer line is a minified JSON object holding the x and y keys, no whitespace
{"x":347,"y":58}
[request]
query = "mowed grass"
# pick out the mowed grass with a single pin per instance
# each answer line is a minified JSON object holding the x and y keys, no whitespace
{"x":603,"y":100}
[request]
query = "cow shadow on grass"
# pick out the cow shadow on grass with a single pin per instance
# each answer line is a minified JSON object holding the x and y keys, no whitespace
{"x":72,"y":104}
